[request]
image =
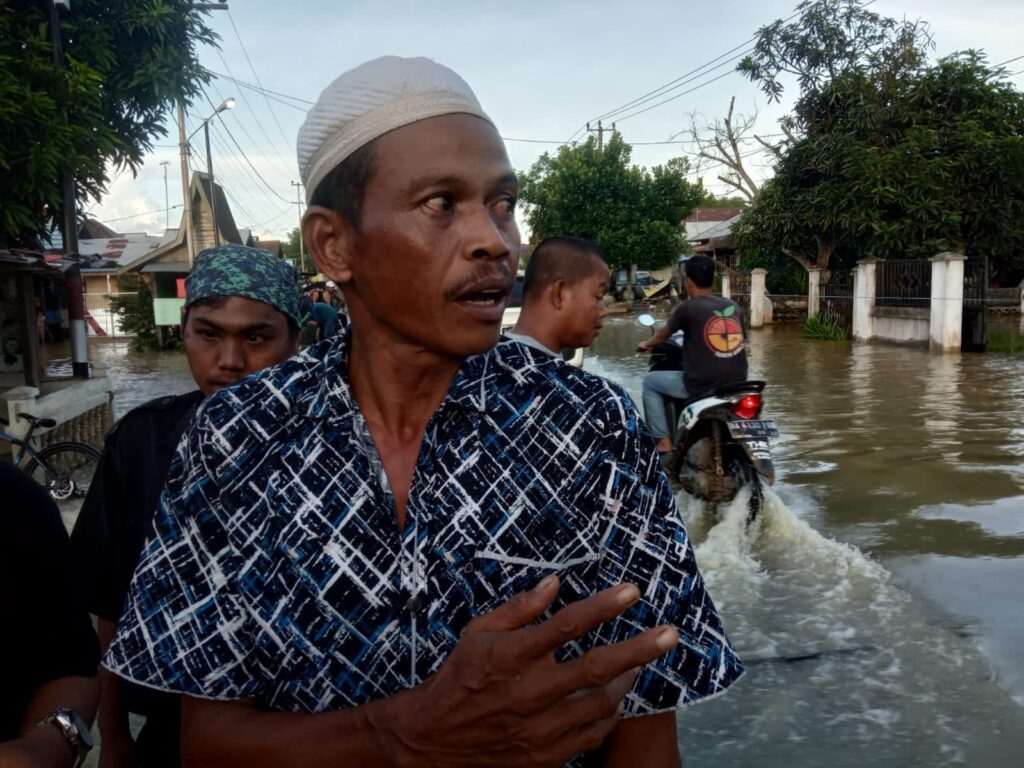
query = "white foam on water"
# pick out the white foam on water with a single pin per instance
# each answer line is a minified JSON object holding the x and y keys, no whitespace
{"x":888,"y":684}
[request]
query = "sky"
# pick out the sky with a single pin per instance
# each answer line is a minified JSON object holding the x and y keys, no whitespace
{"x":540,"y":68}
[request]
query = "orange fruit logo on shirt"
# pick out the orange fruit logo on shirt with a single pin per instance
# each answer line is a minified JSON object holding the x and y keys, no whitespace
{"x":723,"y":333}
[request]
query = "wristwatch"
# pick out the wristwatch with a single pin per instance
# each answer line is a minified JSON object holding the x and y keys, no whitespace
{"x":74,"y":729}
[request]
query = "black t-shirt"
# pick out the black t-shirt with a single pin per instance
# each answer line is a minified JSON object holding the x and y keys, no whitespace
{"x":714,"y":351}
{"x":45,"y":632}
{"x":117,"y":513}
{"x":112,"y":528}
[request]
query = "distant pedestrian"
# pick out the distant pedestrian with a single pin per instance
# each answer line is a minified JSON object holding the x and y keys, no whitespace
{"x":326,"y":317}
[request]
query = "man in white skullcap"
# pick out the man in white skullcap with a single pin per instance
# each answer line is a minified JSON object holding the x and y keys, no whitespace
{"x":416,"y":544}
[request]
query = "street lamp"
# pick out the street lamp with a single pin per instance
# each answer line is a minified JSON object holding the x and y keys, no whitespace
{"x":228,"y":103}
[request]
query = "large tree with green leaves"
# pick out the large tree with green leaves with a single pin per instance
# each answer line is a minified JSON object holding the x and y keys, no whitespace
{"x":126,"y":64}
{"x":934,"y":162}
{"x":595,"y":193}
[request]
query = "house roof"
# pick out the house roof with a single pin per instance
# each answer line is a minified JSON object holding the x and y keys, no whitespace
{"x":114,"y":252}
{"x":174,"y":238}
{"x":713,"y":214}
{"x":92,"y":229}
{"x":273,"y":246}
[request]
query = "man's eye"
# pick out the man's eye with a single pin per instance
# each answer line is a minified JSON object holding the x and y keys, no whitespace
{"x":439,"y":203}
{"x":254,"y":338}
{"x":506,"y":206}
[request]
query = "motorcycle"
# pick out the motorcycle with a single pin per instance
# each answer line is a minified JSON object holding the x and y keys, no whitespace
{"x":720,"y":443}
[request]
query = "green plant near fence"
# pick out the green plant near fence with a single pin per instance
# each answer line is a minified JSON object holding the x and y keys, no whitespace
{"x":821,"y":328}
{"x":1005,"y":341}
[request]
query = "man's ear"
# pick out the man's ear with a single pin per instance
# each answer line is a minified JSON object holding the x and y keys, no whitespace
{"x":330,"y":238}
{"x":559,"y":293}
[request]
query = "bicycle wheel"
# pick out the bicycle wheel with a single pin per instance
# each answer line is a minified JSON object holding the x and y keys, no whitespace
{"x":64,"y":469}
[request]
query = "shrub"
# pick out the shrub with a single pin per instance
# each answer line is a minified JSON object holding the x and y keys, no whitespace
{"x":823,"y":328}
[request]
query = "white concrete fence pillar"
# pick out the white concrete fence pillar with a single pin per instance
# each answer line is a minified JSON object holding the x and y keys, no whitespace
{"x":813,"y":291}
{"x":864,"y":299}
{"x":947,"y":305}
{"x":18,"y":400}
{"x":726,"y":286}
{"x":757,"y":297}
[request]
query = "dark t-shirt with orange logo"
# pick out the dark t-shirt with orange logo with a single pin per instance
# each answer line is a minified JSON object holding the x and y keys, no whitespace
{"x":714,"y":352}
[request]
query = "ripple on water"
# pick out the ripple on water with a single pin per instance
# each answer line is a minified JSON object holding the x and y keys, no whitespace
{"x":890,"y":686}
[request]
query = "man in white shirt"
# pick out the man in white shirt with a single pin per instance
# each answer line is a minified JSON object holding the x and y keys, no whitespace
{"x":563,"y":295}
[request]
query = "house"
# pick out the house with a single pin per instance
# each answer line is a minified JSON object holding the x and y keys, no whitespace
{"x":165,"y":267}
{"x":104,"y":258}
{"x":28,"y":384}
{"x":710,"y":234}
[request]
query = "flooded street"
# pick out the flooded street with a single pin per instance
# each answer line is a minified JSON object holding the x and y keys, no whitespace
{"x":892,"y":545}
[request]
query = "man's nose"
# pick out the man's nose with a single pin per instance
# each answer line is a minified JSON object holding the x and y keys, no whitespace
{"x":231,"y":356}
{"x":487,"y":238}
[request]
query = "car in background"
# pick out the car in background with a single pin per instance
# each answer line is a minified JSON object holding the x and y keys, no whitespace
{"x":643,"y":283}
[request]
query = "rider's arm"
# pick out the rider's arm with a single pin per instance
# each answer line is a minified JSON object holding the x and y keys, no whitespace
{"x":662,"y":335}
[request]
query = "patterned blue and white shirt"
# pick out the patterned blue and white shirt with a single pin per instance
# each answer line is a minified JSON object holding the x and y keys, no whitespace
{"x":277,"y":570}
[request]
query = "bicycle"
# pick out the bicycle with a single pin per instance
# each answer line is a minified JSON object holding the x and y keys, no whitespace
{"x":65,"y":470}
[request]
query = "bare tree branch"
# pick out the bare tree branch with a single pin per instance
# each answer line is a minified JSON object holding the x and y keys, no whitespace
{"x":721,"y":143}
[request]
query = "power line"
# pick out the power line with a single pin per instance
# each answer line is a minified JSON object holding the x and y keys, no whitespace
{"x":137,"y":215}
{"x":1008,"y":61}
{"x":260,"y":89}
{"x":256,"y":77}
{"x":673,"y":84}
{"x":258,"y":123}
{"x":246,"y":158}
{"x":677,"y":96}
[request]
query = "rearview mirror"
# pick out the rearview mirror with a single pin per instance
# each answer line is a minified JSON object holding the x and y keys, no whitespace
{"x":647,"y":321}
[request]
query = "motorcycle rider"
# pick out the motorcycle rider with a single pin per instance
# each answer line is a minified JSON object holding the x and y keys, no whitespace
{"x":714,"y":349}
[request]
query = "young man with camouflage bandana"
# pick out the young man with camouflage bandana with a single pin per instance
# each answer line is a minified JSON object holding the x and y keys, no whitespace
{"x":241,"y":315}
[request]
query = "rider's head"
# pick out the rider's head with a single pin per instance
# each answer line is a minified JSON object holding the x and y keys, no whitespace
{"x":241,"y":314}
{"x":563,"y":292}
{"x":700,"y":274}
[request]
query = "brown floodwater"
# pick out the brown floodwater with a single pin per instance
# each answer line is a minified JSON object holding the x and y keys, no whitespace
{"x":893,"y":543}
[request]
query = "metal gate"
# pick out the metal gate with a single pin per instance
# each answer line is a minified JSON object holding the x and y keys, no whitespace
{"x":975,"y":325}
{"x":837,"y":298}
{"x":739,"y":287}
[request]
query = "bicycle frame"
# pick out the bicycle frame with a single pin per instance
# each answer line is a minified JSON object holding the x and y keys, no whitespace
{"x":24,"y":445}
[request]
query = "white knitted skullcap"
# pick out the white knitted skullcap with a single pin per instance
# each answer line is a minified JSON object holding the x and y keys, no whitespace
{"x":372,"y":99}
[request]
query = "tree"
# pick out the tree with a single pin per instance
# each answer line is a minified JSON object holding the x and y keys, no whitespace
{"x":127,"y":63}
{"x":933,"y":161}
{"x":635,"y":214}
{"x":725,"y":143}
{"x":291,"y":246}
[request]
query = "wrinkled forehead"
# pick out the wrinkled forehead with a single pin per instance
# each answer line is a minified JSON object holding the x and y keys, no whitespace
{"x":462,"y":148}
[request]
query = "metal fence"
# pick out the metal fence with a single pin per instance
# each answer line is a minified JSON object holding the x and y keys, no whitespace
{"x":903,"y":283}
{"x":100,"y":318}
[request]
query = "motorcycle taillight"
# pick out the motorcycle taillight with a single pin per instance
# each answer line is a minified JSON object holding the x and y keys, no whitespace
{"x":747,"y":407}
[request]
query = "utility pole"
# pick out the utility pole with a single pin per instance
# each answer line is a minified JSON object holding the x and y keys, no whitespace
{"x":73,"y":280}
{"x":167,"y":198}
{"x":600,"y":133}
{"x":213,"y":189}
{"x":298,"y":202}
{"x":186,"y":187}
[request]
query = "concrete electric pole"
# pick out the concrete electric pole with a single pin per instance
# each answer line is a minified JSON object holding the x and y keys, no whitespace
{"x":600,"y":133}
{"x":298,"y":202}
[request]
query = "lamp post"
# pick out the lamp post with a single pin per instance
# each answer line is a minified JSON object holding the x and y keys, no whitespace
{"x":228,"y":103}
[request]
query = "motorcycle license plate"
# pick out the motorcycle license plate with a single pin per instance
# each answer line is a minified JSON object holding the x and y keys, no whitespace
{"x":753,"y":430}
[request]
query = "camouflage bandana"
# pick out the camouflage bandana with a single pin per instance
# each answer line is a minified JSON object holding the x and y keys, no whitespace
{"x":237,"y":270}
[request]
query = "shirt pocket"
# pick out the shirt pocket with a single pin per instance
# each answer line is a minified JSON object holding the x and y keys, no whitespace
{"x":490,"y":578}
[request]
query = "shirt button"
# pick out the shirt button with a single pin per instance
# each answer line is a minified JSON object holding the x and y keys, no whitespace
{"x":414,"y":604}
